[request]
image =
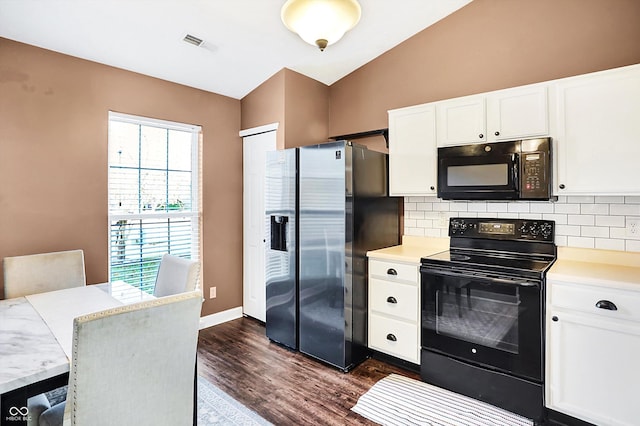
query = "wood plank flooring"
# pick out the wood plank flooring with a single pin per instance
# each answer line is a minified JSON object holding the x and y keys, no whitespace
{"x":284,"y":387}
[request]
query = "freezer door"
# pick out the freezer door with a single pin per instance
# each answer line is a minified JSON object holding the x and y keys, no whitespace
{"x":322,"y":252}
{"x":280,"y":222}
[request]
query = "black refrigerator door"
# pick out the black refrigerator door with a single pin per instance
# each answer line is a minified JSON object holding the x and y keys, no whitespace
{"x":281,"y":248}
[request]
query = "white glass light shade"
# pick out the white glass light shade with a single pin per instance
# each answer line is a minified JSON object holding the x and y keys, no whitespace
{"x":320,"y":22}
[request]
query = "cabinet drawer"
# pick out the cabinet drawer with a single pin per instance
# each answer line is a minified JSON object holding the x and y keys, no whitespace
{"x":394,"y":271}
{"x":584,"y":298}
{"x":391,"y":298}
{"x":383,"y":330}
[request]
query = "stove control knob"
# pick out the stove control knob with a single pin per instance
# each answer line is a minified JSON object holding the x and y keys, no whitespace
{"x":458,"y":226}
{"x":534,"y":229}
{"x":545,"y":230}
{"x":524,"y":228}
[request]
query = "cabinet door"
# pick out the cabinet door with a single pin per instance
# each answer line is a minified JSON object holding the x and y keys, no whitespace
{"x":518,"y":113}
{"x":592,"y":368}
{"x":461,"y":120}
{"x":598,"y":128}
{"x":412,"y":151}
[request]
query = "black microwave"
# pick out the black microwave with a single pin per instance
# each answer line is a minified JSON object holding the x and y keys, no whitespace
{"x":514,"y":170}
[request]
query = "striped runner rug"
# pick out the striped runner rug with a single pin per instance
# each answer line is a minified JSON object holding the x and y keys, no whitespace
{"x":398,"y":400}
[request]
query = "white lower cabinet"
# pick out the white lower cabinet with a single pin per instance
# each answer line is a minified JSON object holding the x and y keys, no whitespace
{"x":592,"y":353}
{"x":394,"y":309}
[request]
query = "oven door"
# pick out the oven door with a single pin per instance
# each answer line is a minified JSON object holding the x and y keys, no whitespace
{"x":488,"y":321}
{"x":486,"y":177}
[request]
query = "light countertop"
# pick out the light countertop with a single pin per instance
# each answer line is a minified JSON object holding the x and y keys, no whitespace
{"x":412,"y":249}
{"x":601,"y":267}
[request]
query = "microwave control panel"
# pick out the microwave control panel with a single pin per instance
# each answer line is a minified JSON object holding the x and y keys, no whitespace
{"x":534,"y":182}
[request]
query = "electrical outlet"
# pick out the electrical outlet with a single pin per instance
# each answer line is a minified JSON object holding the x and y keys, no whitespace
{"x":212,"y":293}
{"x":633,"y":227}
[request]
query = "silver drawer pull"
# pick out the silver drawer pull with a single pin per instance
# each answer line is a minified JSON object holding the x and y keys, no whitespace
{"x":392,"y":271}
{"x":605,"y":304}
{"x":392,"y":338}
{"x":391,"y":299}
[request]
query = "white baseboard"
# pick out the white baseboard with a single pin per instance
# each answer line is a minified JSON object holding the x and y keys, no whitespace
{"x":220,"y":317}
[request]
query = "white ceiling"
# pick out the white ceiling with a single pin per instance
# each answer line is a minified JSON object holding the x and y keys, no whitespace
{"x":245,"y":41}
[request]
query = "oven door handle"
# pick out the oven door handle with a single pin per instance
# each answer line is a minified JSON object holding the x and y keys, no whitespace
{"x":521,"y":283}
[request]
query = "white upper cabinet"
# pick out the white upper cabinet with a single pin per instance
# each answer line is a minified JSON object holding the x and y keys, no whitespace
{"x":412,"y":151}
{"x":593,"y":119}
{"x":517,"y":113}
{"x":461,"y":120}
{"x":598,"y":139}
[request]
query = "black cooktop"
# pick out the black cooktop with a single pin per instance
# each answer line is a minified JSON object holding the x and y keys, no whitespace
{"x":490,"y":260}
{"x":506,"y":246}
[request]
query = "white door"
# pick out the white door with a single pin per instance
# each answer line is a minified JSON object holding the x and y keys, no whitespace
{"x":254,"y":230}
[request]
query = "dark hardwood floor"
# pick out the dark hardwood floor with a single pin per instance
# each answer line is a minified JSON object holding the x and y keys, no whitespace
{"x":284,"y":387}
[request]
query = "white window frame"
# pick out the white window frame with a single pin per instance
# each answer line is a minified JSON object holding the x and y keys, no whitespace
{"x":196,"y":172}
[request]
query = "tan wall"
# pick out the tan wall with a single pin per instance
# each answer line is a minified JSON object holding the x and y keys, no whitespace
{"x":53,"y":160}
{"x":298,"y":103}
{"x":306,"y":110}
{"x":488,"y":45}
{"x":266,"y":105}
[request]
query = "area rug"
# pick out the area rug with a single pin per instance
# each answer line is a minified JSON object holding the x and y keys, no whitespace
{"x":398,"y":400}
{"x":216,"y":408}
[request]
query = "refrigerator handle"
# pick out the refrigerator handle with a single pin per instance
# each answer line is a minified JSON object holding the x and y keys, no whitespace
{"x":279,"y":232}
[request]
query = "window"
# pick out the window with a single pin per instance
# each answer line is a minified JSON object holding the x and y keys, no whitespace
{"x":153,"y":196}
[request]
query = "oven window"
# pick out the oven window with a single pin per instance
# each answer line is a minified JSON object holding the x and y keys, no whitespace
{"x":478,"y":175}
{"x":478,"y":316}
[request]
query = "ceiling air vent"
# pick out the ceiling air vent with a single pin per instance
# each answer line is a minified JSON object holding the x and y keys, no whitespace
{"x":193,"y":40}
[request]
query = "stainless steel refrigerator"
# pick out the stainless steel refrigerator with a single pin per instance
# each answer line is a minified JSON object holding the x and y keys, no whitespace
{"x":326,"y":206}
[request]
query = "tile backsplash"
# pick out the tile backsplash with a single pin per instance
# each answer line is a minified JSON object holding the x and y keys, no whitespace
{"x":611,"y":223}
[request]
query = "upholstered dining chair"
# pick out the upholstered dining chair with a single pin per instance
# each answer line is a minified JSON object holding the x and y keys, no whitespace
{"x":133,"y":365}
{"x":39,"y":273}
{"x":176,"y":275}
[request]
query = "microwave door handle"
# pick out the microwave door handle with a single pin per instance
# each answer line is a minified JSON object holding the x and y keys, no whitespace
{"x":515,"y":168}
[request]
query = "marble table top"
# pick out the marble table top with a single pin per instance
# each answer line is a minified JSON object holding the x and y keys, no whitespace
{"x":59,"y":308}
{"x":29,"y":352}
{"x":35,"y":336}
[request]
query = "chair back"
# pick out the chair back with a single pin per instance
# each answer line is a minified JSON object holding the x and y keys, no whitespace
{"x":135,"y":364}
{"x":176,"y":275}
{"x":39,"y":273}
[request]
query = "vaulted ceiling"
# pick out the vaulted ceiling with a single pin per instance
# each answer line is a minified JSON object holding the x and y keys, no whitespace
{"x":245,"y":41}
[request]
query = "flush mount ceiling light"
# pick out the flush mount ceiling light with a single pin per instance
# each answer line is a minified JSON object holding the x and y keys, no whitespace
{"x":320,"y":22}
